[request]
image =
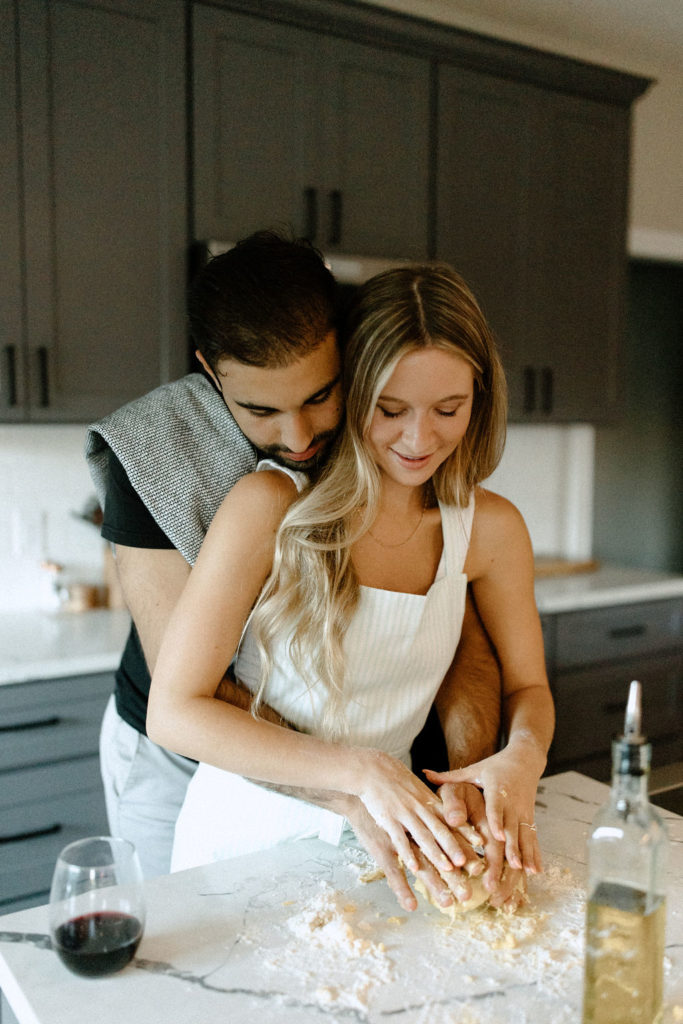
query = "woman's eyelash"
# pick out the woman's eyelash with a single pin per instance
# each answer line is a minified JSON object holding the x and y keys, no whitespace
{"x":392,"y":415}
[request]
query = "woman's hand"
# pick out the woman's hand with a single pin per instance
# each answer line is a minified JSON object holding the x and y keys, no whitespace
{"x":408,"y":810}
{"x":508,"y":783}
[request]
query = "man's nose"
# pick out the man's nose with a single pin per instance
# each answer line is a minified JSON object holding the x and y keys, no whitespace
{"x":297,"y":432}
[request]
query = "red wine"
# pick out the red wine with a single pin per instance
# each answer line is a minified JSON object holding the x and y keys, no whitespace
{"x":98,"y":944}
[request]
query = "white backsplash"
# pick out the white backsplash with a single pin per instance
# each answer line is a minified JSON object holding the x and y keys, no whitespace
{"x":546,"y":471}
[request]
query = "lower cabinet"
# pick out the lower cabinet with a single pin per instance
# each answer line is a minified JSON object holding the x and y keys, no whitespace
{"x":592,"y":657}
{"x":50,"y":788}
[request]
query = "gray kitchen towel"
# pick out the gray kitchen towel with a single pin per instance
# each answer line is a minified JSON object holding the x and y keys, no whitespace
{"x":182,"y":451}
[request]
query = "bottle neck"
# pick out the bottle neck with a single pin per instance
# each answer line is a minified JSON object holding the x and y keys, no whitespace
{"x":630,"y":772}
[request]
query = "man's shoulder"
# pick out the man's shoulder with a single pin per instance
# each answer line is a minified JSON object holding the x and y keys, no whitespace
{"x":184,"y":397}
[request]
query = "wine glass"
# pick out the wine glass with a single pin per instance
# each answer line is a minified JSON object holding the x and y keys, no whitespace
{"x":97,"y":907}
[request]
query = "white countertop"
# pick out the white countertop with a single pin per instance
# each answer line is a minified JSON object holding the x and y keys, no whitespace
{"x":47,"y":645}
{"x":610,"y":585}
{"x":293,"y":936}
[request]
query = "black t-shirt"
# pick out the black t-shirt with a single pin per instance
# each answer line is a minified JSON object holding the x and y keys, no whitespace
{"x":128,"y":521}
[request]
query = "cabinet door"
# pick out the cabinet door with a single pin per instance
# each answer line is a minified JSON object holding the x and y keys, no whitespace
{"x":257,"y":110}
{"x":485,"y":192}
{"x":299,"y":130}
{"x":531,"y":186}
{"x":102,"y":94}
{"x":12,"y":392}
{"x":376,"y":192}
{"x":579,"y":273}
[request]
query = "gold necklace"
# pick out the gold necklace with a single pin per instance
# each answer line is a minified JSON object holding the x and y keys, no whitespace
{"x":410,"y":536}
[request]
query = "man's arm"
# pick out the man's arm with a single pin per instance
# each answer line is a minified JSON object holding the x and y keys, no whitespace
{"x":469,"y":707}
{"x":469,"y":700}
{"x":152,"y":580}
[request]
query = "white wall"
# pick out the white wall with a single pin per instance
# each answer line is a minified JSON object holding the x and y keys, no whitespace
{"x":44,"y":481}
{"x":546,"y":471}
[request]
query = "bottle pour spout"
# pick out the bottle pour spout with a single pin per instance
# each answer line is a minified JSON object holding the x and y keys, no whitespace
{"x":633,"y":720}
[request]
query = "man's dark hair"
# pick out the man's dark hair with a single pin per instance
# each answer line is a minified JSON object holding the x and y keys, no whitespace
{"x":266,"y":302}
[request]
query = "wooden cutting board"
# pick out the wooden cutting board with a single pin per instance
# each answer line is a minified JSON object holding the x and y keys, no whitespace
{"x":547,"y":566}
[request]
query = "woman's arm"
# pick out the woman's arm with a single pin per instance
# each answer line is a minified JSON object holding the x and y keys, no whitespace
{"x":500,"y":566}
{"x":202,"y":637}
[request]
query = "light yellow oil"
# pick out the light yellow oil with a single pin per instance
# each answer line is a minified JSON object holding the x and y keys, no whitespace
{"x":624,"y":956}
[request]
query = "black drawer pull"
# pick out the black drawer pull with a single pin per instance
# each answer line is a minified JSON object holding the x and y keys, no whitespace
{"x":547,"y":389}
{"x":529,"y":379}
{"x":41,"y":723}
{"x":11,"y":360}
{"x":51,"y":830}
{"x":625,"y":632}
{"x":43,"y":377}
{"x":310,"y":213}
{"x":335,"y":217}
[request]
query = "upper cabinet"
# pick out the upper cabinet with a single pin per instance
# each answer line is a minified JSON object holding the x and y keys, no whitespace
{"x":369,"y":132}
{"x":531,"y":207}
{"x":94,"y":192}
{"x":299,"y":129}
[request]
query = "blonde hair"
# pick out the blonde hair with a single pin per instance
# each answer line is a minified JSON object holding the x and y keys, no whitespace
{"x":312,"y":591}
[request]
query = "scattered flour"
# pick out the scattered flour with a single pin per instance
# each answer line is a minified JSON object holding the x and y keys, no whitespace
{"x":347,"y":951}
{"x":349,"y":962}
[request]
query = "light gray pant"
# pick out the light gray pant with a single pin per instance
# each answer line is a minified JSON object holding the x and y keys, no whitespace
{"x":144,"y":789}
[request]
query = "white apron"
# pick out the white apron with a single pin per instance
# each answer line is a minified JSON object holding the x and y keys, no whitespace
{"x":398,"y":648}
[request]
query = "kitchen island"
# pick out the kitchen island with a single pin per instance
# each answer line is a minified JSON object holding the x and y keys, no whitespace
{"x":295,"y":935}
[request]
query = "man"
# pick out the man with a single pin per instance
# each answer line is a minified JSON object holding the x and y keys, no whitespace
{"x":262,"y":317}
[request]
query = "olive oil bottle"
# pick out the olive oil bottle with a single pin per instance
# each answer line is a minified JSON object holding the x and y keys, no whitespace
{"x":626,"y":909}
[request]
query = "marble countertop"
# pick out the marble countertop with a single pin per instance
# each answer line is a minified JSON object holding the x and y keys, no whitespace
{"x":49,"y":645}
{"x":295,"y":936}
{"x":46,"y":645}
{"x":609,"y":585}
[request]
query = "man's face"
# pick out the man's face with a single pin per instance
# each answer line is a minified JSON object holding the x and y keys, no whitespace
{"x":289,"y":413}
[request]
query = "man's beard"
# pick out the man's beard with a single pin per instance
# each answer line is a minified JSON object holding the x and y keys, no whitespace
{"x":312,"y":465}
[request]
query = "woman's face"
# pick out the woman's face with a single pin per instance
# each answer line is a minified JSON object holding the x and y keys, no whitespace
{"x":421,"y":415}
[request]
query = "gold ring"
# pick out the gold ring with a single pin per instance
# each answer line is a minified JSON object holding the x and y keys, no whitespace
{"x":527,"y":825}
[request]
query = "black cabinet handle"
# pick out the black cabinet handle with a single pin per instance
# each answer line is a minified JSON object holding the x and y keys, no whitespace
{"x":11,"y":365}
{"x":41,"y":723}
{"x":43,"y":377}
{"x":310,"y":213}
{"x":546,"y":389}
{"x":626,"y":632}
{"x":18,"y":837}
{"x":529,"y":399}
{"x":618,"y":707}
{"x":335,"y":236}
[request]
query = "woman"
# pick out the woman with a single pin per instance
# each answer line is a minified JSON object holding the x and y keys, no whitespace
{"x":353,"y":597}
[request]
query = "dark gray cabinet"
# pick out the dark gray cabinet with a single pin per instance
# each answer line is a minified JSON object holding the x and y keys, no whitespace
{"x":369,"y":132}
{"x":50,"y":788}
{"x":592,"y":657}
{"x":531,"y":208}
{"x":96,"y":189}
{"x":297,"y":128}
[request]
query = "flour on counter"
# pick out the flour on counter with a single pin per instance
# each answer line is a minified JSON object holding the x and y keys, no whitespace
{"x":337,"y":956}
{"x":344,"y":949}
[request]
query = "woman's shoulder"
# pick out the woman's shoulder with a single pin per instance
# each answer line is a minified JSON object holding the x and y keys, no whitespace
{"x":258,"y":501}
{"x":494,"y":511}
{"x":265,"y":483}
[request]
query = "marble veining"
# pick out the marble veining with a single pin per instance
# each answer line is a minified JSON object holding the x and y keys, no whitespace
{"x":294,"y":936}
